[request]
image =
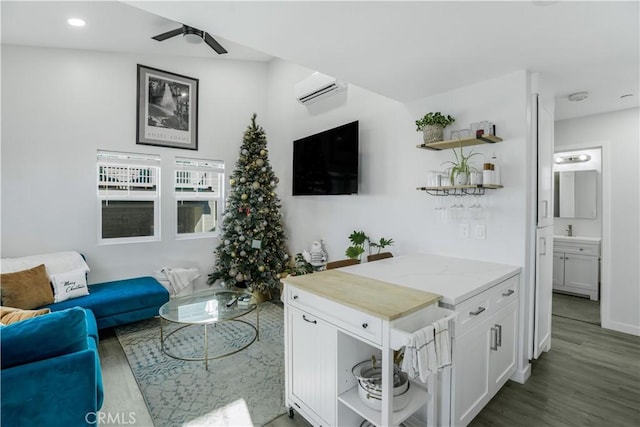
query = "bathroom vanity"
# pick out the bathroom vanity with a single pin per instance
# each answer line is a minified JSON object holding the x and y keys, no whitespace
{"x":338,"y":318}
{"x":576,"y":265}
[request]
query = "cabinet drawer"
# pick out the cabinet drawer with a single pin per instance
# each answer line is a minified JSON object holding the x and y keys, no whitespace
{"x":504,"y":293}
{"x":472,"y":312}
{"x":577,"y":248}
{"x":358,"y":323}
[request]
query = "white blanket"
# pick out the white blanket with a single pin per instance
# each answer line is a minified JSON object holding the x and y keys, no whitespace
{"x":179,"y":278}
{"x":55,"y":263}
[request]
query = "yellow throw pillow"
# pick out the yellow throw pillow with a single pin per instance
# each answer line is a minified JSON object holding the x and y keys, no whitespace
{"x":26,"y":289}
{"x":9,"y":315}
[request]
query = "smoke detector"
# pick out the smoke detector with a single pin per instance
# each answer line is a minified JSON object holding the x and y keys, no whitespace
{"x":578,"y":96}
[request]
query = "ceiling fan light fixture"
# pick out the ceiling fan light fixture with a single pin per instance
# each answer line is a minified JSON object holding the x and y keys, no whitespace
{"x":578,"y":96}
{"x":193,"y":36}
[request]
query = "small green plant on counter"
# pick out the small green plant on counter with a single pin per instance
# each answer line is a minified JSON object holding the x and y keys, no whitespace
{"x":300,"y":266}
{"x":460,"y":165}
{"x":433,"y":119}
{"x":359,"y":240}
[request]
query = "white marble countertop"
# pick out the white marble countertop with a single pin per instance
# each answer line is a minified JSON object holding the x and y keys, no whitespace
{"x":577,"y":239}
{"x":456,"y":279}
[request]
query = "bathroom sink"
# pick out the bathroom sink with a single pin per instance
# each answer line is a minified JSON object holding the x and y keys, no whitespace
{"x":576,"y":238}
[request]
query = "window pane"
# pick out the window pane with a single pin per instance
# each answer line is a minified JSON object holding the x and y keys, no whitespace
{"x":197,"y":216}
{"x":127,"y":218}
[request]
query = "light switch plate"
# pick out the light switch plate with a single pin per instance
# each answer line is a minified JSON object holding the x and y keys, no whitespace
{"x":464,"y":231}
{"x":479,"y":232}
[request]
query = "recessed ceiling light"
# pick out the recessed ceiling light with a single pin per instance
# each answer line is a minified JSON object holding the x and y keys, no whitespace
{"x":628,"y":95}
{"x":578,"y":96}
{"x":76,"y":22}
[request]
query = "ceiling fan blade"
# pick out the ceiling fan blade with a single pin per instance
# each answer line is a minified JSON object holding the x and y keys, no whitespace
{"x":214,"y":44}
{"x":169,"y":34}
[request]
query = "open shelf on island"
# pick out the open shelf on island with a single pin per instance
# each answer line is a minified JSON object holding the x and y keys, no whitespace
{"x":418,"y":396}
{"x":455,"y":143}
{"x":460,"y":190}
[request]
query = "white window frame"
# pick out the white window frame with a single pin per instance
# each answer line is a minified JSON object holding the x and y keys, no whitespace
{"x":199,"y":180}
{"x":127,"y":169}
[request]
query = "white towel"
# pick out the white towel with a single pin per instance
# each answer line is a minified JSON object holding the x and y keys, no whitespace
{"x":180,"y":278}
{"x":420,"y":354}
{"x":443,"y":342}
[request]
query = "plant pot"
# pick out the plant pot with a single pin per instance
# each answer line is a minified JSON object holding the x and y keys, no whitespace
{"x":460,"y":178}
{"x":433,"y":133}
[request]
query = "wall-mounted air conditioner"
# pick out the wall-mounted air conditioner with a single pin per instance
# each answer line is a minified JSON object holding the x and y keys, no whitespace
{"x":316,"y":87}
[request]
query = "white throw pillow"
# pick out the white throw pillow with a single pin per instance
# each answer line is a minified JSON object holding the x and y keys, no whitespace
{"x":72,"y":284}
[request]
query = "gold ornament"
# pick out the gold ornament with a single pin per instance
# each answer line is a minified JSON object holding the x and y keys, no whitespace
{"x":244,"y":197}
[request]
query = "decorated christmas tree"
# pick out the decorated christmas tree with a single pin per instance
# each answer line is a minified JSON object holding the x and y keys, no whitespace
{"x":252,"y":252}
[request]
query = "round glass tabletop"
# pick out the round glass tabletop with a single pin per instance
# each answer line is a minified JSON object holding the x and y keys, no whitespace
{"x":206,"y":307}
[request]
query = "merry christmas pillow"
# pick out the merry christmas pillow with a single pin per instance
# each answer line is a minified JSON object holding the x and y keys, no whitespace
{"x":72,"y":284}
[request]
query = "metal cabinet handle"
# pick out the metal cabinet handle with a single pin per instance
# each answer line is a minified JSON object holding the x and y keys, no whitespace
{"x":494,"y":339}
{"x":478,"y":311}
{"x":295,"y":297}
{"x":508,"y":293}
{"x":365,"y":325}
{"x":499,"y":337}
{"x":307,"y":320}
{"x":581,"y":249}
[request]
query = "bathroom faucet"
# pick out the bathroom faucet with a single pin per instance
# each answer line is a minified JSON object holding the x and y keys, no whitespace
{"x":569,"y":230}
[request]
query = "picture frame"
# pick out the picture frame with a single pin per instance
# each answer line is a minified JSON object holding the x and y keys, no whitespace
{"x":167,"y":109}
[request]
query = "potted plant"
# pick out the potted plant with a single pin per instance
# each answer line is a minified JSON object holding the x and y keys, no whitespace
{"x":460,"y":168}
{"x":358,"y":241}
{"x":432,"y":125}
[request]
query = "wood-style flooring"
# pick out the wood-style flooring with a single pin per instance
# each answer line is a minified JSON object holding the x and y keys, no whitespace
{"x":591,"y":377}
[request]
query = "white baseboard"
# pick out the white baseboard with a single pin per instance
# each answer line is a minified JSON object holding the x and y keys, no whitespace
{"x":622,"y":327}
{"x":522,"y":375}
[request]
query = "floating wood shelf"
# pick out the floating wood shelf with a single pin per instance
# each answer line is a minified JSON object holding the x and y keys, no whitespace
{"x":460,"y":190}
{"x":455,"y":143}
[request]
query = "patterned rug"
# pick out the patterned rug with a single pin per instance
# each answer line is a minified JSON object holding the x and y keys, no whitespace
{"x":243,"y":389}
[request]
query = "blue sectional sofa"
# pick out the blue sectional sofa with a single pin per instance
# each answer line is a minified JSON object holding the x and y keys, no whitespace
{"x":50,"y":365}
{"x":51,"y":372}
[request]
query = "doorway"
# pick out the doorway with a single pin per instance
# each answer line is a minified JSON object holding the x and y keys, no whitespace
{"x":578,"y":209}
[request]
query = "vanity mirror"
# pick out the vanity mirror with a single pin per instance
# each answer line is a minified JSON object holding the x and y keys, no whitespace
{"x":575,"y":194}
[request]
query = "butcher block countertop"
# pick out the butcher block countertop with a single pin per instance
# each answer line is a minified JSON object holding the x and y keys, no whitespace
{"x":377,"y":298}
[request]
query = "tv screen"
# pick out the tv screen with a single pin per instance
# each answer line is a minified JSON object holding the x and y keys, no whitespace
{"x":327,"y":163}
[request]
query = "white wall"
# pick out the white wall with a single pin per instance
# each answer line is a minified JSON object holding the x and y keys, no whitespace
{"x":618,"y":134}
{"x":60,"y":106}
{"x":388,"y":204}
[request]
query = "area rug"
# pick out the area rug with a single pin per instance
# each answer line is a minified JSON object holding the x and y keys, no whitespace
{"x":243,"y":389}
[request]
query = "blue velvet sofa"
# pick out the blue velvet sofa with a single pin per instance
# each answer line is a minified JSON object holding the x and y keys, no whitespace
{"x":121,"y":301}
{"x":51,"y":372}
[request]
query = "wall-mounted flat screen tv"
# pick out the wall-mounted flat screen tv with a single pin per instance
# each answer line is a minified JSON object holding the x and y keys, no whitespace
{"x":327,"y":163}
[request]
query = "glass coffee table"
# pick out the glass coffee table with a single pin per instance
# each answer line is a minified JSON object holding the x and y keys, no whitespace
{"x":206,"y":308}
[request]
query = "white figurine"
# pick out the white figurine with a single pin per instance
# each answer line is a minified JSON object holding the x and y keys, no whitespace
{"x":317,"y":257}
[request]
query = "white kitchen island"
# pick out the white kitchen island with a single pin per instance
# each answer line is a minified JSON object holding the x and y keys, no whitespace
{"x":335,"y":319}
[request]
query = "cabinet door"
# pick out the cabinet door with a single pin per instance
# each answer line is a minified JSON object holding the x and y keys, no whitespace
{"x":471,"y":386}
{"x":581,"y":271}
{"x":558,"y":270}
{"x":502,"y":344}
{"x":313,"y":364}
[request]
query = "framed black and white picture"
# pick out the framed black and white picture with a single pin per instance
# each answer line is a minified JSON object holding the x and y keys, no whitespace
{"x":167,"y":109}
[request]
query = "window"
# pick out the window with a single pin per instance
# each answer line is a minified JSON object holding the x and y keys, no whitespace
{"x":198,"y":192}
{"x":129,"y":197}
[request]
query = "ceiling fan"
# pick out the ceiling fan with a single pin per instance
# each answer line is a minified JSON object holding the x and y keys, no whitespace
{"x":192,"y":35}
